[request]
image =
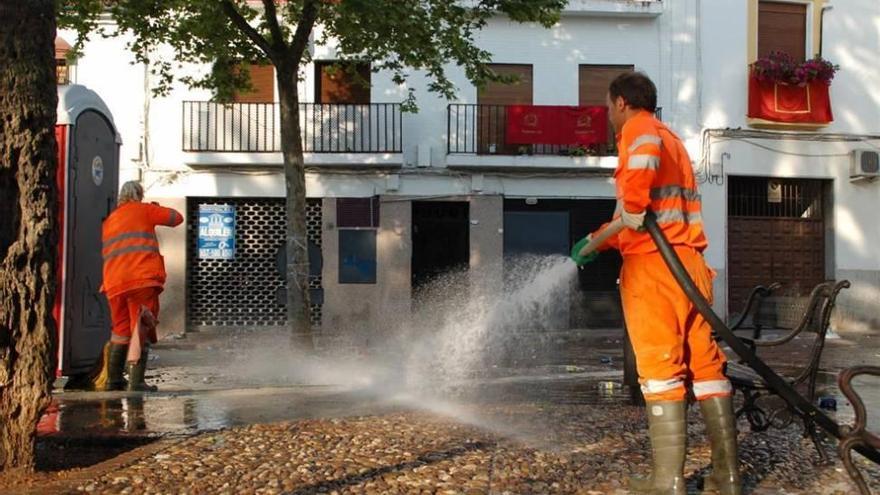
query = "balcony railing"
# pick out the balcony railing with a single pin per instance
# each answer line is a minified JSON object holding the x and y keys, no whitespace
{"x":481,"y":130}
{"x":326,"y":127}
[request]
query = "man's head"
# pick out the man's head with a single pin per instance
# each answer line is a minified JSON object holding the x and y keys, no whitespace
{"x":629,"y":93}
{"x":131,"y":191}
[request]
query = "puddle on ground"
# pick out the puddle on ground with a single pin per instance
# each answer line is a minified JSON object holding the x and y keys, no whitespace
{"x":96,"y":414}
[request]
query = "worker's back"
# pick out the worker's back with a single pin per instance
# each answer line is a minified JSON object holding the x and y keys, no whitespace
{"x":655,"y":172}
{"x":131,"y":248}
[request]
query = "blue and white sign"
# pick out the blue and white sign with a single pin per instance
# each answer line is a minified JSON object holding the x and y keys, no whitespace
{"x":217,"y":232}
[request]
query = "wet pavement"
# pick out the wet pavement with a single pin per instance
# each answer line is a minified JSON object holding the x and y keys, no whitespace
{"x":550,"y":422}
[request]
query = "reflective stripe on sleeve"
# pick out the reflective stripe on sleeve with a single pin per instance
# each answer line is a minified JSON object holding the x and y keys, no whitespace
{"x":645,"y":139}
{"x":643,"y":162}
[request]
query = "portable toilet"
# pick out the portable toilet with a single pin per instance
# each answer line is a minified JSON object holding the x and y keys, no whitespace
{"x":88,"y":182}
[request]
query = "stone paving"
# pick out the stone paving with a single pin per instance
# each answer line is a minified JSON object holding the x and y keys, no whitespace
{"x":555,"y":428}
{"x":529,"y":448}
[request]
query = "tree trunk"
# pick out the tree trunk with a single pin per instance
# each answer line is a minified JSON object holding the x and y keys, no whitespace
{"x":298,"y":303}
{"x":28,"y":198}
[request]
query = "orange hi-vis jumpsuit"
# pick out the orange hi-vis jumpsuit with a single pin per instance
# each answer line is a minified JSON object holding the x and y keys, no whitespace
{"x":134,"y":271}
{"x":673,"y":344}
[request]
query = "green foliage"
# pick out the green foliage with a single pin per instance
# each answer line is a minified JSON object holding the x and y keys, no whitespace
{"x":401,"y":36}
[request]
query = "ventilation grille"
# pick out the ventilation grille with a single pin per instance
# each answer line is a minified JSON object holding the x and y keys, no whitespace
{"x":243,"y":293}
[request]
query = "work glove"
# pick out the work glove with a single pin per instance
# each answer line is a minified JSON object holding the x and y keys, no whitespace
{"x":632,"y":220}
{"x":576,"y":250}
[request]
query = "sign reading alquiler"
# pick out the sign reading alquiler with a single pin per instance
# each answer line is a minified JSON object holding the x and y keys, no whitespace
{"x":217,"y":232}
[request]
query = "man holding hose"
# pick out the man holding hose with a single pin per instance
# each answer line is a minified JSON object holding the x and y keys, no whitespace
{"x":673,"y":344}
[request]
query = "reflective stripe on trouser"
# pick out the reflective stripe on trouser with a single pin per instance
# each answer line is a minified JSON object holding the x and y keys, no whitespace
{"x":126,"y":308}
{"x":672,"y":342}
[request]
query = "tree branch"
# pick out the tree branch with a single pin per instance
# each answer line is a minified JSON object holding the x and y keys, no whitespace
{"x":248,"y":30}
{"x":271,"y":14}
{"x":304,"y":29}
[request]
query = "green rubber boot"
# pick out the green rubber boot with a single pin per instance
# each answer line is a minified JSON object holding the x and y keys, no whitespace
{"x":667,"y":428}
{"x":115,"y":366}
{"x":721,"y":429}
{"x":136,"y":371}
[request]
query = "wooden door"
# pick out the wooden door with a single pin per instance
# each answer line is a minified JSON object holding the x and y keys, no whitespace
{"x":775,"y":233}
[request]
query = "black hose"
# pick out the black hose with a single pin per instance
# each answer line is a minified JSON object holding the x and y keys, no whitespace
{"x":798,"y":403}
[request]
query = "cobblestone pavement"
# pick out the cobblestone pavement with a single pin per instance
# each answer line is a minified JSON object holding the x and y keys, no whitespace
{"x":529,"y":448}
{"x":550,"y":425}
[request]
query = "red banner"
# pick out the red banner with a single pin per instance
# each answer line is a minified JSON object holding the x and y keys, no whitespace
{"x":546,"y":124}
{"x":789,"y":103}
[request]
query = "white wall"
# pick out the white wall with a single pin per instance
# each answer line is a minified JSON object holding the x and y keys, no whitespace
{"x":852,"y":40}
{"x":555,"y":54}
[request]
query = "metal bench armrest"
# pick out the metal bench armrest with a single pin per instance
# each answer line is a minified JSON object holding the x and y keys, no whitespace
{"x":759,"y":292}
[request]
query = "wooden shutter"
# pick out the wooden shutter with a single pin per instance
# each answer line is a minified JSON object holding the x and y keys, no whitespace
{"x":337,"y":83}
{"x":782,"y":27}
{"x":518,"y":93}
{"x":593,"y":82}
{"x":492,"y":111}
{"x":263,"y":83}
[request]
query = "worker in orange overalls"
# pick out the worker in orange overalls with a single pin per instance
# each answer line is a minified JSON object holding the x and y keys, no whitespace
{"x":134,"y":276}
{"x":673,"y":344}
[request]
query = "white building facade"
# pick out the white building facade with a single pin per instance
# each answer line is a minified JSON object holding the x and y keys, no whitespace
{"x":397,"y":198}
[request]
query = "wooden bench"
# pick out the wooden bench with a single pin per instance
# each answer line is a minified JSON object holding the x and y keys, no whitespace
{"x":799,"y":324}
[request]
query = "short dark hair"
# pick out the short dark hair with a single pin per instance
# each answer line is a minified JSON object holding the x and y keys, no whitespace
{"x":637,"y":90}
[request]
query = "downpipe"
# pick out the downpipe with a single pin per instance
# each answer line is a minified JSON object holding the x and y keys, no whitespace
{"x":797,"y":402}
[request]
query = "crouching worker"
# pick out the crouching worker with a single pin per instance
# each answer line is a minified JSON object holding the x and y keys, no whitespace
{"x":134,"y":276}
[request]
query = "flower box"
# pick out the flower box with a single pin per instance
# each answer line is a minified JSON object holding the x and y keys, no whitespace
{"x":783,"y":90}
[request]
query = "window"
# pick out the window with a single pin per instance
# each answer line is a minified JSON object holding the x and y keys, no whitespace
{"x":782,"y":27}
{"x":342,"y":82}
{"x":593,"y":82}
{"x":492,"y":101}
{"x":262,"y":82}
{"x":517,"y":93}
{"x":62,"y":69}
{"x":357,"y":220}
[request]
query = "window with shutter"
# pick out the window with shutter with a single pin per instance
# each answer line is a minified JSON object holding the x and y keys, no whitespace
{"x":782,"y":27}
{"x":357,"y":212}
{"x":342,"y":82}
{"x":357,"y":221}
{"x":492,"y":100}
{"x":62,"y":69}
{"x":262,"y":84}
{"x":593,"y":82}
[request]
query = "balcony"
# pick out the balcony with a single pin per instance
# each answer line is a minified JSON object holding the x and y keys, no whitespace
{"x":332,"y":134}
{"x":477,"y":137}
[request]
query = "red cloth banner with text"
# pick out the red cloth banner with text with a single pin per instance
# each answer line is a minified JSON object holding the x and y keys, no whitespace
{"x":788,"y":103}
{"x":563,"y":125}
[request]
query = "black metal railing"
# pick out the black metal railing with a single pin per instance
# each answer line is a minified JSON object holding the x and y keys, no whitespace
{"x":481,"y":129}
{"x":326,"y":127}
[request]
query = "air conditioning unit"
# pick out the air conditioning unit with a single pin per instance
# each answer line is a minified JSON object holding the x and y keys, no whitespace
{"x":865,"y":164}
